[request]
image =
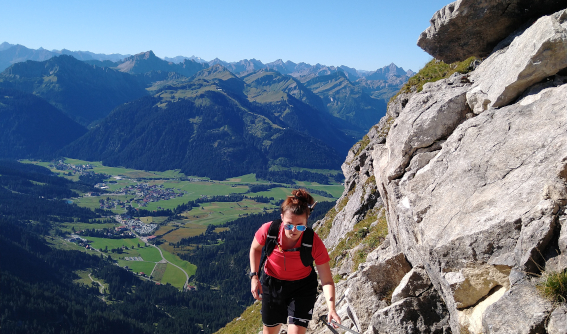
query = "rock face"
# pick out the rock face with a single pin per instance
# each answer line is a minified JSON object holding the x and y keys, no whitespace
{"x":538,"y":53}
{"x":472,"y":173}
{"x":360,"y":199}
{"x":558,"y":321}
{"x":488,"y":200}
{"x":468,"y":28}
{"x":504,"y":316}
{"x":413,"y":284}
{"x":423,"y":314}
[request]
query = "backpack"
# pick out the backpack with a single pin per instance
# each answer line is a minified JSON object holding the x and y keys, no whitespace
{"x":272,"y":242}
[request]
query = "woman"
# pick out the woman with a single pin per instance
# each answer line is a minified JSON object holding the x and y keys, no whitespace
{"x":288,"y":289}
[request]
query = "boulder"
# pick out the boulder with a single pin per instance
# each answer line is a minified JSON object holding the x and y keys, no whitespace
{"x":424,"y":314}
{"x":520,"y":310}
{"x":470,"y":284}
{"x":370,"y":288}
{"x":558,"y":321}
{"x":466,"y":28}
{"x":471,"y":318}
{"x":428,"y":116}
{"x":538,"y":53}
{"x":413,"y":284}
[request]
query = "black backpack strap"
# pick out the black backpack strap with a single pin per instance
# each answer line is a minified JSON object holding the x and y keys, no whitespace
{"x":271,"y":243}
{"x":307,"y":247}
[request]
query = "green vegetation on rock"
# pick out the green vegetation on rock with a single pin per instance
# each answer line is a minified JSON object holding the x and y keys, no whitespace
{"x":364,"y":233}
{"x":554,"y":286}
{"x":433,"y":71}
{"x":250,"y":322}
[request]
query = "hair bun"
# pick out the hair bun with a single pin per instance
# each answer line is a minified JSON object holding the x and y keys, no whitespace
{"x":299,"y":202}
{"x":301,"y":194}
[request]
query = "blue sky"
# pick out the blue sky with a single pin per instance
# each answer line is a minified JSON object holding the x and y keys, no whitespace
{"x":366,"y":35}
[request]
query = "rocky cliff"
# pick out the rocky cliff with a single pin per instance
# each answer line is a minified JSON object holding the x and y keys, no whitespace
{"x":470,"y":174}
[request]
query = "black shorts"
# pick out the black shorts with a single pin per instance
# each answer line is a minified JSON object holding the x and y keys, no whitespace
{"x":288,"y":302}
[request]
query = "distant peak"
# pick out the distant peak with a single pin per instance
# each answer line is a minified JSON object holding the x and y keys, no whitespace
{"x":144,"y":55}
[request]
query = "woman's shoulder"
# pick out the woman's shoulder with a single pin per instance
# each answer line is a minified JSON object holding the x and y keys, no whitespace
{"x":265,"y":227}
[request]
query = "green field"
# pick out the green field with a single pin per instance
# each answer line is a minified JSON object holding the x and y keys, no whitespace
{"x":158,"y":272}
{"x":99,"y":243}
{"x":248,"y":178}
{"x":189,"y":268}
{"x":174,"y":276}
{"x":149,"y":254}
{"x":115,"y":171}
{"x":221,"y":212}
{"x":83,"y":277}
{"x":128,"y":172}
{"x":282,"y":193}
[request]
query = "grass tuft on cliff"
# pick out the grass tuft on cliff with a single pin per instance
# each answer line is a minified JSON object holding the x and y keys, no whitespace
{"x":554,"y":286}
{"x":433,"y":71}
{"x":368,"y":234}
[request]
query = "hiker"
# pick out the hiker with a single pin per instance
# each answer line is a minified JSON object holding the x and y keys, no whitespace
{"x":284,"y":279}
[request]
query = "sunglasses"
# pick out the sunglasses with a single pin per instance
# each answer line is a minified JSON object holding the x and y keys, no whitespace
{"x":290,"y":227}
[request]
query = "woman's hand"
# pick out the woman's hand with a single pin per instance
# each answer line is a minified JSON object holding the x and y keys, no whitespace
{"x":256,"y":288}
{"x":333,"y":316}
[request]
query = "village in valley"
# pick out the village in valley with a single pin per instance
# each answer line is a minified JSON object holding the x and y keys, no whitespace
{"x":143,"y":192}
{"x":138,"y":230}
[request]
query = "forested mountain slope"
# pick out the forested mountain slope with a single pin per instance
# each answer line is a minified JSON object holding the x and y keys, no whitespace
{"x":31,"y":127}
{"x":85,"y":93}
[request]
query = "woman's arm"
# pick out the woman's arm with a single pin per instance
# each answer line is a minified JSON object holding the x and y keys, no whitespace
{"x":326,"y":277}
{"x":255,"y":255}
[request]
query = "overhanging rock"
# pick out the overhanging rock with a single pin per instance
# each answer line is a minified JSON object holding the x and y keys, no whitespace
{"x":539,"y":52}
{"x":466,"y":28}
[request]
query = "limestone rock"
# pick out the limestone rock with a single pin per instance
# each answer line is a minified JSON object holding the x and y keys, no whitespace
{"x":483,"y":199}
{"x":474,"y":202}
{"x":557,"y":263}
{"x":429,"y":116}
{"x":370,"y":287}
{"x":398,"y":104}
{"x":562,"y":242}
{"x":471,"y":284}
{"x":558,"y":321}
{"x":467,"y":28}
{"x":471,"y":318}
{"x":539,"y":52}
{"x":317,"y":325}
{"x":520,"y":310}
{"x":424,"y":314}
{"x":413,"y":284}
{"x":360,"y":195}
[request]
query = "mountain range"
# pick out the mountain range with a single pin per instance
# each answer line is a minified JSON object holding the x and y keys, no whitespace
{"x":14,"y":53}
{"x":212,"y":119}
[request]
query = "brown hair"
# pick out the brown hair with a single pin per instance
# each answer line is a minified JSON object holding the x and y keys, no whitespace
{"x":300,"y":202}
